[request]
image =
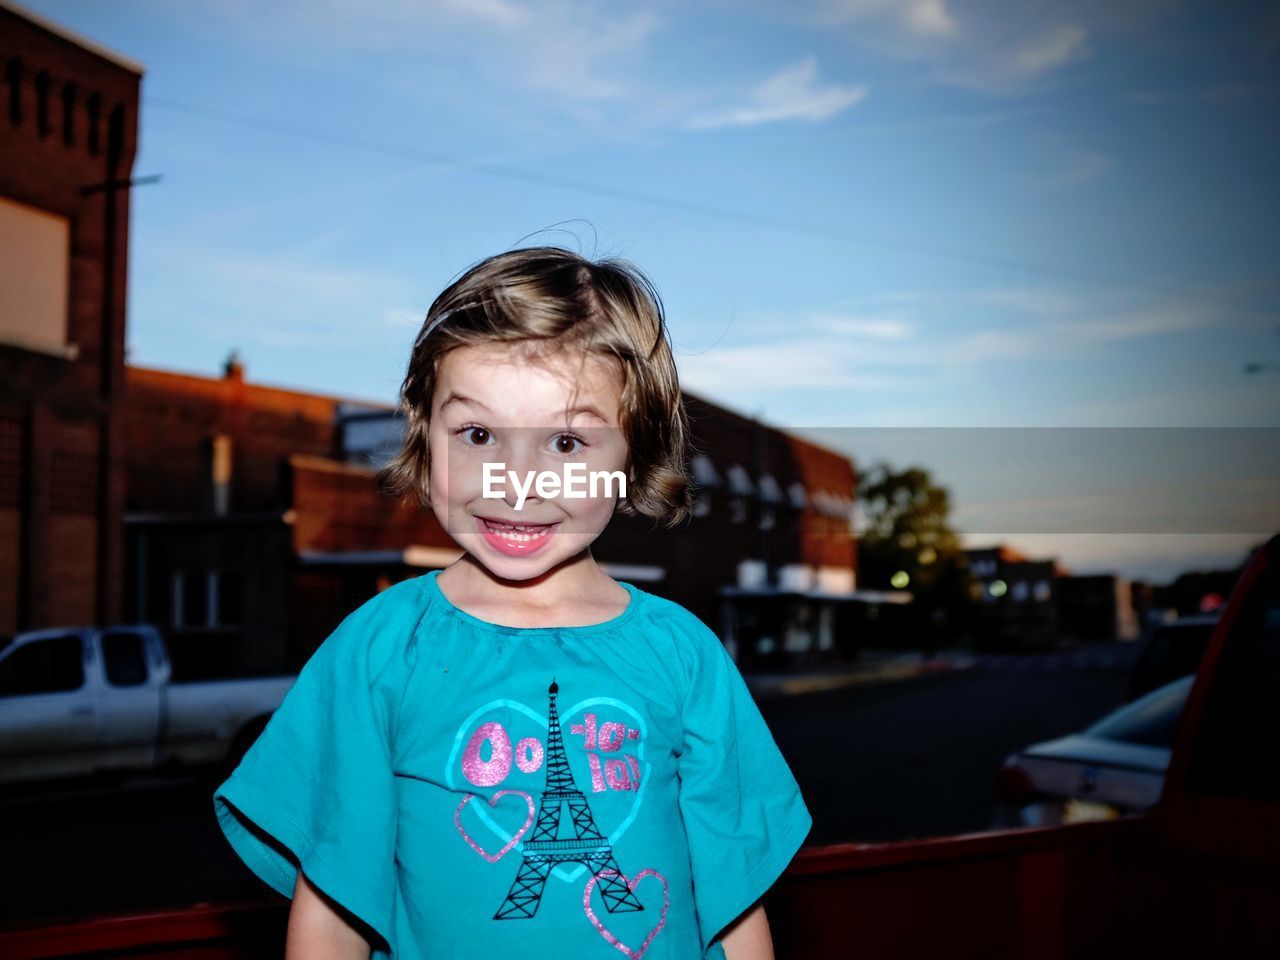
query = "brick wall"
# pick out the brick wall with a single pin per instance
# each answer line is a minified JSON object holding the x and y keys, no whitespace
{"x":68,"y":122}
{"x":172,"y":417}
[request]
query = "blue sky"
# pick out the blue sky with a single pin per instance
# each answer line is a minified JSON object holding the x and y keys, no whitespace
{"x":860,"y":213}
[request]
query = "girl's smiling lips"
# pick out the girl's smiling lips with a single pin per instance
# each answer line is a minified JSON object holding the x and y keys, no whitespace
{"x":506,"y":539}
{"x":498,"y":521}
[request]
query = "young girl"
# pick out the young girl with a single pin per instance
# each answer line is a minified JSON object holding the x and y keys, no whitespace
{"x":518,"y":756}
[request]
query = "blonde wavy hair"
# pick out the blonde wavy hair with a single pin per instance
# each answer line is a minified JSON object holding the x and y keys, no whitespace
{"x":553,"y":299}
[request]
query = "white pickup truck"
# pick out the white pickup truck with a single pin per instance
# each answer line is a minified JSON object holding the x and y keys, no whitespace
{"x":79,"y":701}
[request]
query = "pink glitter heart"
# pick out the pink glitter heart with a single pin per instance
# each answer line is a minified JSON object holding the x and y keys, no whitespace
{"x":631,"y":885}
{"x":493,"y":802}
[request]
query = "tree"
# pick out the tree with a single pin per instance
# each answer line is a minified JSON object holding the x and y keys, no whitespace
{"x":907,"y":532}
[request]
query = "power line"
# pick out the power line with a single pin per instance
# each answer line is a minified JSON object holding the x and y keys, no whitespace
{"x":632,"y":196}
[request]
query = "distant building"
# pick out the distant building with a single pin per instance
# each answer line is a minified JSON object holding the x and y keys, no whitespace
{"x":254,"y":524}
{"x":1096,"y":608}
{"x":1037,"y":604}
{"x":68,"y":134}
{"x":1015,"y":598}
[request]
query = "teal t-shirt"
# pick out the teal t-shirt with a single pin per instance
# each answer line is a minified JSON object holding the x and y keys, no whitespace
{"x":472,"y":790}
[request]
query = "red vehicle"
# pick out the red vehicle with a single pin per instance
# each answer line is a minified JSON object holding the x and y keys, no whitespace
{"x":1198,"y":876}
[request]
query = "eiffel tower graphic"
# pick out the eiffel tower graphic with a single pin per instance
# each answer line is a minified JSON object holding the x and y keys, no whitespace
{"x":546,"y":850}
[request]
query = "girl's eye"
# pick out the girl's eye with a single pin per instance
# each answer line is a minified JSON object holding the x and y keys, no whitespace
{"x":471,"y":432}
{"x":568,"y":439}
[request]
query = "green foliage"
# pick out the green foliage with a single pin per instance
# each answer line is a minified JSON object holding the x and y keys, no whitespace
{"x":907,"y":529}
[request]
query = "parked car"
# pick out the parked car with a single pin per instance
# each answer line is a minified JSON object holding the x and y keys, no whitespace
{"x":1173,"y":650}
{"x":1115,"y":767}
{"x":78,"y":701}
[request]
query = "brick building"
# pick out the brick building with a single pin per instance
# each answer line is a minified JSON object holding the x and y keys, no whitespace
{"x":254,"y":524}
{"x":68,"y":134}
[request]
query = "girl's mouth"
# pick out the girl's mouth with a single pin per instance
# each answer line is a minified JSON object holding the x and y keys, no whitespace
{"x":515,"y":539}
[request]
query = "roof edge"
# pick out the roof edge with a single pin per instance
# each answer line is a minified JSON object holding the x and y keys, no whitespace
{"x":66,"y":33}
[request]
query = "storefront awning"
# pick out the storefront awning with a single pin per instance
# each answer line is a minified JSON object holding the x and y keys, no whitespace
{"x":428,"y":558}
{"x":857,"y":596}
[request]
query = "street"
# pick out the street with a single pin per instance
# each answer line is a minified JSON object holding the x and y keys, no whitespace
{"x":876,"y":761}
{"x":917,"y":757}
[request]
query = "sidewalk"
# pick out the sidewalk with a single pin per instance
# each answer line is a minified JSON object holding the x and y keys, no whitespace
{"x":870,"y":667}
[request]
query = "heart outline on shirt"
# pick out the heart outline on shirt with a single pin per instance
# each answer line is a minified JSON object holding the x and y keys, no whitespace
{"x":493,"y":802}
{"x":604,"y":931}
{"x":567,"y":874}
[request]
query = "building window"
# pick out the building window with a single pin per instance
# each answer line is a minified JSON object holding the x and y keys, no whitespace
{"x":702,"y":503}
{"x":740,"y":488}
{"x":768,"y":517}
{"x":705,"y":479}
{"x":43,"y":126}
{"x":69,"y":114}
{"x":771,"y":496}
{"x":94,"y":107}
{"x":13,"y":74}
{"x":34,"y":278}
{"x":207,"y":598}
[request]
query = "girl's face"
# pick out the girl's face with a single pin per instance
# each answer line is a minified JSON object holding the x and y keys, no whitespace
{"x":498,"y":404}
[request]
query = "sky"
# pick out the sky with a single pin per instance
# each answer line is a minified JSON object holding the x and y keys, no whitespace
{"x":867,"y":218}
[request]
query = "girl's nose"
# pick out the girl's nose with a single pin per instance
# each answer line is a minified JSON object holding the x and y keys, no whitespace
{"x":525,"y":462}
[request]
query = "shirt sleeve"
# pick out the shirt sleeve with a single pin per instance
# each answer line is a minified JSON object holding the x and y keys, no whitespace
{"x":743,"y":812}
{"x":317,"y":789}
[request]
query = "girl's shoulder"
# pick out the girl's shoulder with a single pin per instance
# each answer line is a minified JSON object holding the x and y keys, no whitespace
{"x":686,"y":637}
{"x":384,"y":629}
{"x":674,"y":614}
{"x":404,"y":602}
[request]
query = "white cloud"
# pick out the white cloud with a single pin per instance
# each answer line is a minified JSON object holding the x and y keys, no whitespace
{"x":1015,"y":58}
{"x":1030,"y":300}
{"x":1252,"y":403}
{"x":924,"y":18}
{"x":1080,"y":167}
{"x":498,"y":12}
{"x":993,"y":343}
{"x":1054,"y":337}
{"x":1128,"y":326}
{"x":576,"y":49}
{"x":984,"y":45}
{"x":796,"y":363}
{"x":869,"y":328}
{"x":580,"y":60}
{"x":790,"y":94}
{"x":1047,"y":51}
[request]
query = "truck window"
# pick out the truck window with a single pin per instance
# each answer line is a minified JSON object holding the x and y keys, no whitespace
{"x":55,"y":665}
{"x":125,"y":662}
{"x":1235,"y":750}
